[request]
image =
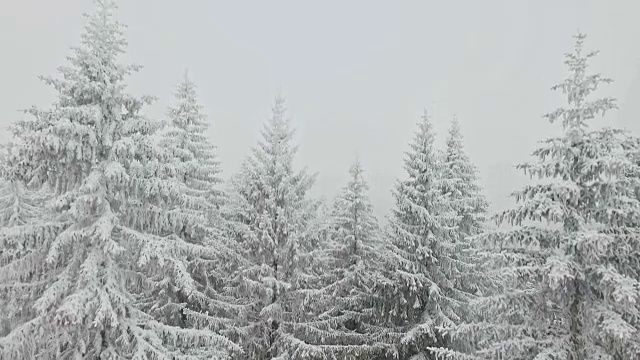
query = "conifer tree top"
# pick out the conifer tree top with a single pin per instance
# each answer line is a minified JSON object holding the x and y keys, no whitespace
{"x":421,"y":148}
{"x":278,"y":132}
{"x":101,"y":43}
{"x":187,"y":113}
{"x":356,"y":171}
{"x":455,"y":139}
{"x":354,"y":200}
{"x":577,"y":87}
{"x":456,"y":161}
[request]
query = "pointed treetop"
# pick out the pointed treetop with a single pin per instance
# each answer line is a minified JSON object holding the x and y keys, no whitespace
{"x":187,"y":112}
{"x":353,"y":203}
{"x":279,"y":109}
{"x":454,"y":152}
{"x":426,"y":123}
{"x":577,"y":88}
{"x":454,"y":144}
{"x":455,"y":134}
{"x":104,"y":34}
{"x":422,"y":142}
{"x":425,"y":129}
{"x":356,"y":170}
{"x":277,"y":132}
{"x":579,"y":42}
{"x":186,"y":88}
{"x":455,"y":124}
{"x":426,"y":117}
{"x":95,"y":69}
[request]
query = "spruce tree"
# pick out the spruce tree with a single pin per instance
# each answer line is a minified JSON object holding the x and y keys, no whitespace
{"x":272,"y":214}
{"x":459,"y":184}
{"x":360,"y":252}
{"x":430,"y":275}
{"x":204,"y":305}
{"x":464,"y":196}
{"x":569,"y":283}
{"x":186,"y":140}
{"x":93,"y":269}
{"x":351,"y":300}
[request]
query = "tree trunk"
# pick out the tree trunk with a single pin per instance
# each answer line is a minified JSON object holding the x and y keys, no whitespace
{"x":575,"y":325}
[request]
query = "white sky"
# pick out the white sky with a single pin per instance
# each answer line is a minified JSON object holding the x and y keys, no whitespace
{"x":357,"y":74}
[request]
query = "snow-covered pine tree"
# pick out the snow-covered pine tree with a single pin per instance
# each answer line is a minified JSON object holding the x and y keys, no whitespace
{"x":464,"y":195}
{"x":460,"y":185}
{"x":186,"y":139}
{"x":349,"y":306}
{"x":361,"y":251}
{"x":569,"y":286}
{"x":204,"y":306}
{"x":90,"y":278}
{"x":429,"y":274}
{"x":272,"y":212}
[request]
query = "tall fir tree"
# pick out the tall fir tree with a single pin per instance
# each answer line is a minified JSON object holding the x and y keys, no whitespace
{"x":272,"y":214}
{"x":430,"y":274}
{"x":187,"y":141}
{"x":93,"y":269}
{"x":464,"y":195}
{"x":360,"y":251}
{"x":460,"y":185}
{"x":349,"y":300}
{"x":204,"y":305}
{"x":569,"y":290}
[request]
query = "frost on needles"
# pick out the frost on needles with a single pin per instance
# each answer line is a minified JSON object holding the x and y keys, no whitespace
{"x":203,"y":303}
{"x":273,"y":217}
{"x":349,"y":297}
{"x":117,"y":224}
{"x":21,"y":207}
{"x":118,"y":240}
{"x":434,"y":274}
{"x":566,"y":276}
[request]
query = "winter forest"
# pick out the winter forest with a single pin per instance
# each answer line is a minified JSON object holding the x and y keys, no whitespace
{"x":119,"y":238}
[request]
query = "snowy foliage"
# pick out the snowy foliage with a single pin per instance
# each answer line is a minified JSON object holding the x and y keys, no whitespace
{"x":567,"y":290}
{"x":117,"y":240}
{"x":194,"y":298}
{"x":20,"y":207}
{"x":19,"y":204}
{"x":460,"y":184}
{"x":272,"y":215}
{"x":187,"y":141}
{"x":111,"y":241}
{"x":352,"y":287}
{"x":431,"y":270}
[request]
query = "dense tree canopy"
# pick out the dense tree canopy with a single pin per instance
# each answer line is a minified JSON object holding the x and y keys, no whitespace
{"x":120,"y":240}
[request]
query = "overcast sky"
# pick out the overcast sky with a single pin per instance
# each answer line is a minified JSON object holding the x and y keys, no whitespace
{"x":356,"y":74}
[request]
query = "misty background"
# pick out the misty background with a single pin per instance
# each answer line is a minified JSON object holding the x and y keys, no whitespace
{"x":356,"y":75}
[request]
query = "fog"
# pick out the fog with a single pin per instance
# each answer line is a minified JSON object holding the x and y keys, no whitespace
{"x":357,"y":75}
